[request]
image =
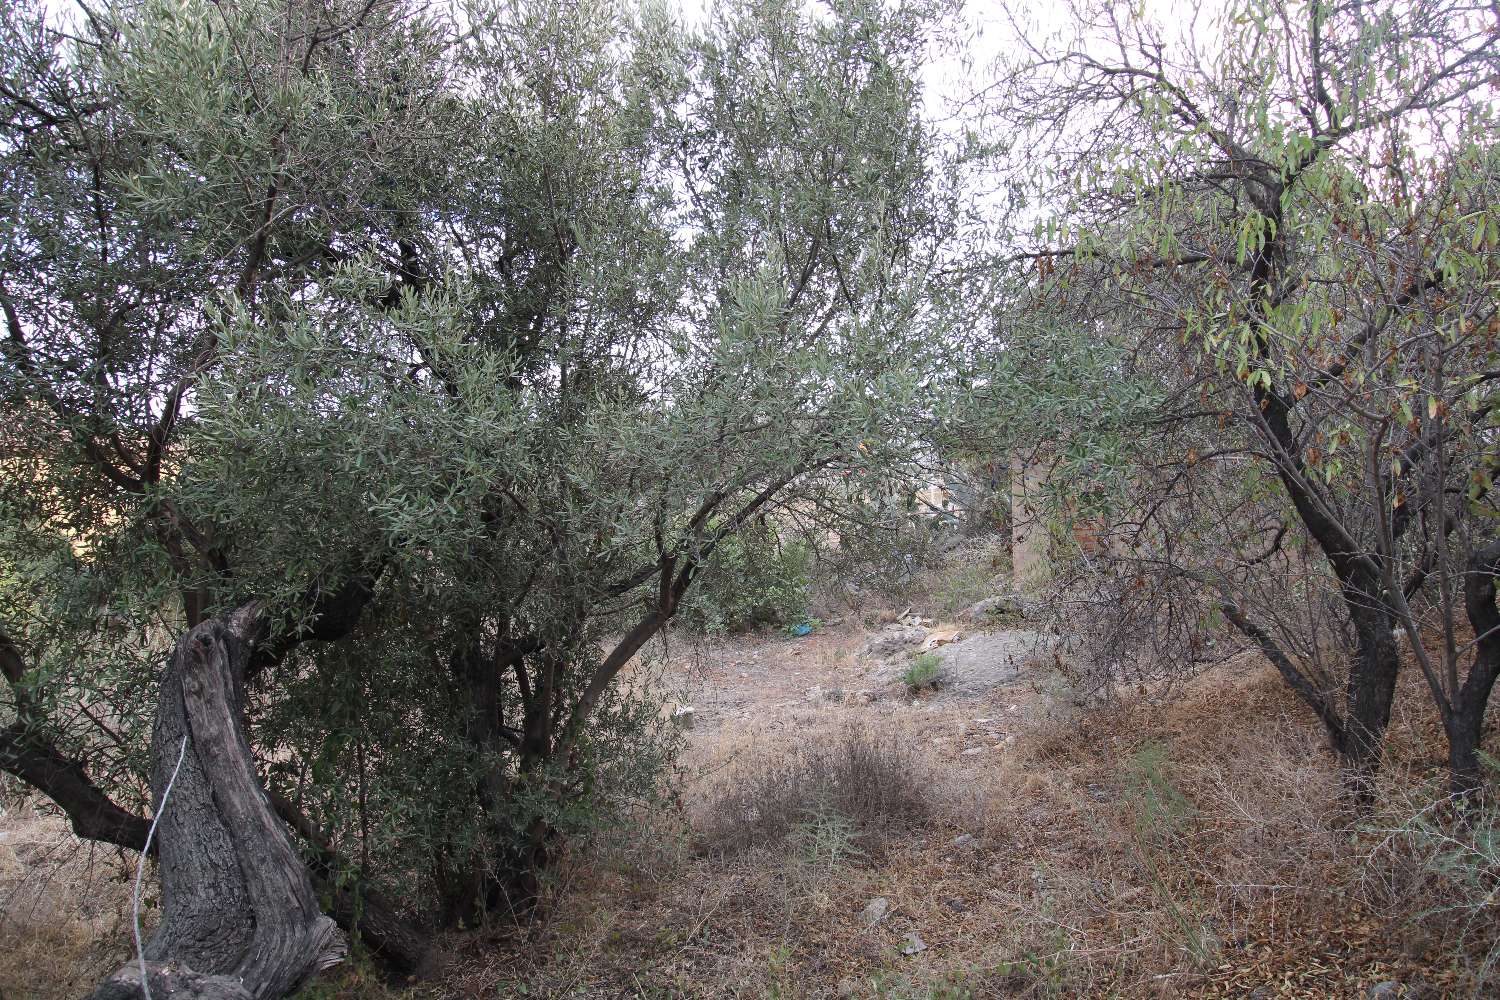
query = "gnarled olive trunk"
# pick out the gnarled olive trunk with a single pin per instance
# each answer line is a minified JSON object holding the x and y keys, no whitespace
{"x":239,"y":917}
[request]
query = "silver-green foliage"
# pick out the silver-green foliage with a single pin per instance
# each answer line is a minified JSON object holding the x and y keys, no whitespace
{"x":517,"y":313}
{"x":755,"y":579}
{"x":924,"y":673}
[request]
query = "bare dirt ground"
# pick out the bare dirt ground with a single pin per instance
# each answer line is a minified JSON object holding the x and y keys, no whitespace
{"x":741,"y":690}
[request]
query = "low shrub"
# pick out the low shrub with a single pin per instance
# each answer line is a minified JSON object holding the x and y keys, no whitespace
{"x":1438,"y":860}
{"x":965,"y":584}
{"x":925,"y":673}
{"x":755,"y":579}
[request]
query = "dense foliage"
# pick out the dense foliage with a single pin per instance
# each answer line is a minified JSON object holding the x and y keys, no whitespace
{"x":468,"y":337}
{"x":384,"y":380}
{"x":1258,"y":326}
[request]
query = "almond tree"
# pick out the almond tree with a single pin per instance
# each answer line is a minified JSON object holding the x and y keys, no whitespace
{"x":1281,"y":227}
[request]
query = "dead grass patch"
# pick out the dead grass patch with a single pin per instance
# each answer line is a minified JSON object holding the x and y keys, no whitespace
{"x":855,"y":783}
{"x":1077,"y":882}
{"x":64,"y":907}
{"x":1182,"y":847}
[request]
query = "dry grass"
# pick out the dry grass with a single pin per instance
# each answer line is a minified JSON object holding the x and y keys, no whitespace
{"x":1079,"y":882}
{"x":1189,"y":847}
{"x":872,"y":781}
{"x":64,"y":907}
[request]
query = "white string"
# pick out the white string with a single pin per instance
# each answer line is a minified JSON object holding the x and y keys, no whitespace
{"x":140,"y":867}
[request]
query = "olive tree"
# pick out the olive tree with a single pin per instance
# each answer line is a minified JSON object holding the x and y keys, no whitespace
{"x":383,"y":379}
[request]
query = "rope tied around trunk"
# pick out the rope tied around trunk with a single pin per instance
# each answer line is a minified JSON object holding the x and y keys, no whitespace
{"x":140,"y":868}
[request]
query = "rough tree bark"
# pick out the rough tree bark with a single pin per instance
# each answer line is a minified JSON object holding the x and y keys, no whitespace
{"x":240,"y":920}
{"x":1464,"y":719}
{"x":400,"y":947}
{"x":1370,"y":689}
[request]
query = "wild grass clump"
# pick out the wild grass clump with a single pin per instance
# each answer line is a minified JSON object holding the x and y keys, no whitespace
{"x":924,"y":674}
{"x":855,"y":783}
{"x":1436,"y":859}
{"x":964,"y":585}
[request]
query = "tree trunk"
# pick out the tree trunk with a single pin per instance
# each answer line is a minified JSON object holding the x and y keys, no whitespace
{"x":240,"y":920}
{"x":1370,"y":691}
{"x":1465,"y":777}
{"x":1465,"y":721}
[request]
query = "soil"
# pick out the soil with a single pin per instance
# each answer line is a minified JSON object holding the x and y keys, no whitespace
{"x":746,"y":686}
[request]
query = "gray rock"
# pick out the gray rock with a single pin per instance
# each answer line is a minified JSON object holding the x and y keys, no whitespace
{"x":875,"y":911}
{"x":963,"y":840}
{"x":684,"y":716}
{"x":912,"y":944}
{"x":1388,"y":990}
{"x":987,"y":660}
{"x":894,"y":639}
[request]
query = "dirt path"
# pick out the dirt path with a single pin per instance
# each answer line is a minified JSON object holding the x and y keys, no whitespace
{"x":744,"y":688}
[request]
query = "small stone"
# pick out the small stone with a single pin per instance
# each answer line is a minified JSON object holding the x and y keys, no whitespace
{"x":973,"y":751}
{"x":956,"y":905}
{"x":963,"y":840}
{"x":912,"y":944}
{"x":875,"y":911}
{"x":683,"y":716}
{"x":861,"y":697}
{"x":847,"y":987}
{"x":1388,"y":990}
